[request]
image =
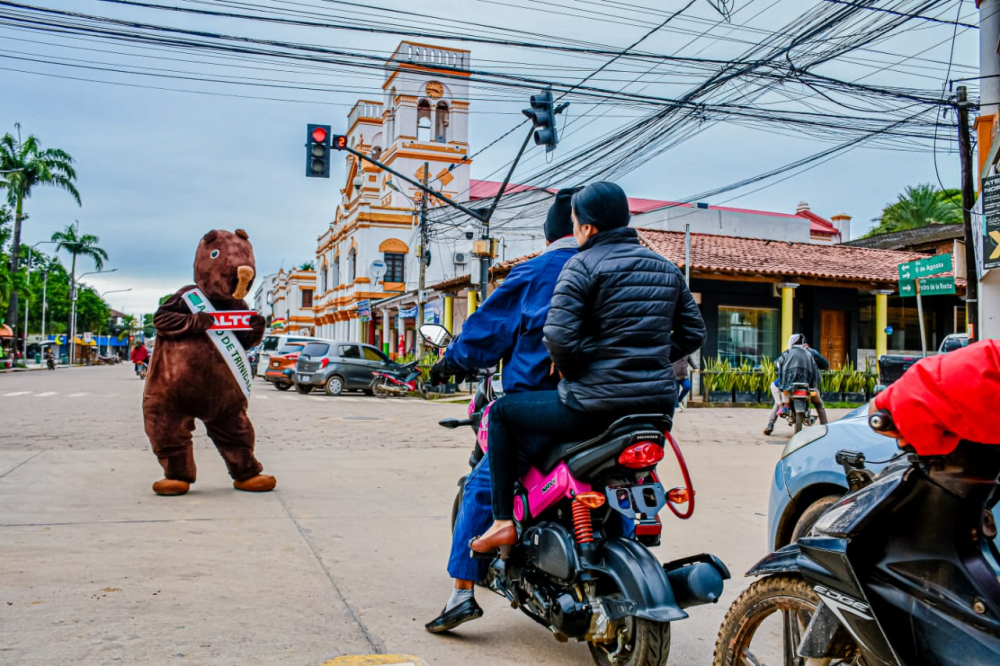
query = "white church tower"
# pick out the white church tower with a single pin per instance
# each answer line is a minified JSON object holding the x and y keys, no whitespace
{"x":422,"y":118}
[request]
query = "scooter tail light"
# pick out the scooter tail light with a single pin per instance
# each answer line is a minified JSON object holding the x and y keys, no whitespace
{"x":641,"y":455}
{"x":591,"y":500}
{"x":680,"y":495}
{"x":801,"y":394}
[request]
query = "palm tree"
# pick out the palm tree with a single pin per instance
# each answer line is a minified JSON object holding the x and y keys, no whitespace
{"x":22,"y":166}
{"x":77,"y":245}
{"x":918,"y":207}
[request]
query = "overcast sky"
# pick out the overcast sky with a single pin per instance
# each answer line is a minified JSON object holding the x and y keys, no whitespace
{"x":158,"y":168}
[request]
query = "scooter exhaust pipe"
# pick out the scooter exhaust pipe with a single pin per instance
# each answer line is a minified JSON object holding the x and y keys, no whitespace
{"x":696,"y":580}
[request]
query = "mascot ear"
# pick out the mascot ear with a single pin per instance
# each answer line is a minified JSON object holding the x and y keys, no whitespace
{"x":242,"y":234}
{"x":210,"y":236}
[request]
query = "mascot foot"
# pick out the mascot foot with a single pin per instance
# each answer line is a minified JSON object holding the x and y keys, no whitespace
{"x":171,"y":487}
{"x":257,"y":484}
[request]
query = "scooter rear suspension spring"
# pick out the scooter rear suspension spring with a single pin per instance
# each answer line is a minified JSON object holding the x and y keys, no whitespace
{"x":583,"y":529}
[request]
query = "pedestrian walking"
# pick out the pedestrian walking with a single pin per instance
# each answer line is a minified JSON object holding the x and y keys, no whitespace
{"x":681,"y":372}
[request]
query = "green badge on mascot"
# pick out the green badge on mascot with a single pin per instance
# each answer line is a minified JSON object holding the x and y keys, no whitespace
{"x":199,"y":368}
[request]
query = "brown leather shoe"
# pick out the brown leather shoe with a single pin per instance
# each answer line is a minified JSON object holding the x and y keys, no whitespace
{"x":501,"y":540}
{"x":171,"y":487}
{"x":257,"y":484}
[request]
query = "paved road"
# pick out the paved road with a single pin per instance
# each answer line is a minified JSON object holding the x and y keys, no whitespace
{"x":345,"y":558}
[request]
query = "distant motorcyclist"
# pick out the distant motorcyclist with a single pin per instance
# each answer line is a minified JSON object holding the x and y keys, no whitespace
{"x":800,"y":364}
{"x":140,"y":357}
{"x":507,"y":327}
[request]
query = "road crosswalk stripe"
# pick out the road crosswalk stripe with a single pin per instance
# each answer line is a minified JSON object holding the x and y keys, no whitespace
{"x":47,"y":394}
{"x":77,"y":395}
{"x":11,"y":395}
{"x":260,"y":397}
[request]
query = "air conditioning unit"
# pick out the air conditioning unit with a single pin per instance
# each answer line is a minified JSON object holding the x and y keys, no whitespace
{"x":461,"y":258}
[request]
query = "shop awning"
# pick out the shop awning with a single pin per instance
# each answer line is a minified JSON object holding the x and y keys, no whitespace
{"x":5,"y":331}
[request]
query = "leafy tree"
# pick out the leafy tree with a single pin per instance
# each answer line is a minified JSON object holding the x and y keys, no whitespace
{"x":918,"y":207}
{"x":23,"y":165}
{"x":78,"y":245}
{"x":308,"y":266}
{"x":91,"y":312}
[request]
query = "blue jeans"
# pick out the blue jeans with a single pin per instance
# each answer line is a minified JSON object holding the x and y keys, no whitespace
{"x":475,"y":514}
{"x":685,"y":389}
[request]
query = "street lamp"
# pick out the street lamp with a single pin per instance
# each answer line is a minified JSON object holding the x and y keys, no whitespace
{"x":24,"y":346}
{"x":105,"y":293}
{"x":72,"y":318}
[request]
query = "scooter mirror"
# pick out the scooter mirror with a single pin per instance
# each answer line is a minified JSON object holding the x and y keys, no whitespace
{"x":435,"y":335}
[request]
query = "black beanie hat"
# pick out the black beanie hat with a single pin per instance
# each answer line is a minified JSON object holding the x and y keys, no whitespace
{"x":559,"y":222}
{"x":602,"y":205}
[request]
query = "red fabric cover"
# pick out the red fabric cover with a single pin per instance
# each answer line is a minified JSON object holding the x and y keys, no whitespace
{"x":948,"y":398}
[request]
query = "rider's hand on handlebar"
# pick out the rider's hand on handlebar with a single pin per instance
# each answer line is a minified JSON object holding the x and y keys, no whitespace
{"x":892,"y":432}
{"x":442,"y":370}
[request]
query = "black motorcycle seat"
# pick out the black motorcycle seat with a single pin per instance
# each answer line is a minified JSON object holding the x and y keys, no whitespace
{"x":563,"y":450}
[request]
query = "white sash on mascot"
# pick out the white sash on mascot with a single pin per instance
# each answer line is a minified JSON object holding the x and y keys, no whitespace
{"x":225,"y":341}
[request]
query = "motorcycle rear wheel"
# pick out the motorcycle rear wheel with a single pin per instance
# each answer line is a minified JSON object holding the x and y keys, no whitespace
{"x":648,"y":645}
{"x":379,"y":389}
{"x":787,"y":595}
{"x":799,"y":420}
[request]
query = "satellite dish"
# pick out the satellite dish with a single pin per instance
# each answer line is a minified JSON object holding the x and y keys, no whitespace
{"x":377,"y":269}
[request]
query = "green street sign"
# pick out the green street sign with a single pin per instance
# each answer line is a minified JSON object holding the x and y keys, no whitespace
{"x":936,"y":286}
{"x":942,"y":263}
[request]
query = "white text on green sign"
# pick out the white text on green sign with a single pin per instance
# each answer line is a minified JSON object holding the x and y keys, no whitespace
{"x":936,"y":286}
{"x":941,"y":263}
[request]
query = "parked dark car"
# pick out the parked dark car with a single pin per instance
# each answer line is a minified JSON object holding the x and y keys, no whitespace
{"x":339,"y":366}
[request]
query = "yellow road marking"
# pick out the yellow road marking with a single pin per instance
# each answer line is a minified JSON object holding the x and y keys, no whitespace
{"x":376,"y":660}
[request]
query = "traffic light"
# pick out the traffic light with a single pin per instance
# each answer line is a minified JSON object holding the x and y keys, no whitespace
{"x":543,"y":117}
{"x":317,"y":151}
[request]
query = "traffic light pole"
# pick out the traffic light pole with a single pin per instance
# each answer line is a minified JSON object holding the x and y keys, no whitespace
{"x":423,"y":260}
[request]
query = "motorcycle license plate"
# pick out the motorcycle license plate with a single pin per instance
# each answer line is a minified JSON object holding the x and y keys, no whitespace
{"x":305,"y":378}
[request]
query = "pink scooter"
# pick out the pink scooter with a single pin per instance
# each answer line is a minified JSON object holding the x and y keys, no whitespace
{"x":586,"y":515}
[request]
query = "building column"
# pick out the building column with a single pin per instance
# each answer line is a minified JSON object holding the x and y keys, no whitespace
{"x":448,"y":316}
{"x":386,"y":337}
{"x":473,"y":302}
{"x":881,"y":323}
{"x":400,"y":332}
{"x":787,"y":312}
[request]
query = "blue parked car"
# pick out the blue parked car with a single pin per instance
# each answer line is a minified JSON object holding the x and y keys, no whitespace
{"x":807,"y":479}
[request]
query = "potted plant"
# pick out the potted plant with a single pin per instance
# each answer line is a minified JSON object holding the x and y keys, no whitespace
{"x":768,"y":373}
{"x":830,"y":385}
{"x":745,"y":383}
{"x":717,"y":380}
{"x":853,"y":384}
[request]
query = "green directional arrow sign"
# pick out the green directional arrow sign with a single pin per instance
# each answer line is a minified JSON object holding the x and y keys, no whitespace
{"x":941,"y":263}
{"x":936,"y":286}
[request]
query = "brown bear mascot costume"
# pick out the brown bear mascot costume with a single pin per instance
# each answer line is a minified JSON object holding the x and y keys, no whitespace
{"x":200,"y":374}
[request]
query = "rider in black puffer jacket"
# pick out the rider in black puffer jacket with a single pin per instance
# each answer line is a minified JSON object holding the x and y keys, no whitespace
{"x":620,"y":315}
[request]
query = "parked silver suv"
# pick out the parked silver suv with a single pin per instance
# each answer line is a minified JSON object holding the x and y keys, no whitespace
{"x":339,"y":366}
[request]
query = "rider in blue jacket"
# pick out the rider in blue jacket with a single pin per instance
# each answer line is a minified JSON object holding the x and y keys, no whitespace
{"x":507,"y":327}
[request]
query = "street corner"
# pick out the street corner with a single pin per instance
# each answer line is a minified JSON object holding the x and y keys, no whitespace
{"x":376,"y":660}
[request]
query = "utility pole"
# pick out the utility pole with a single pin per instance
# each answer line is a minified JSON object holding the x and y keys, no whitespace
{"x":423,"y":263}
{"x":968,"y":201}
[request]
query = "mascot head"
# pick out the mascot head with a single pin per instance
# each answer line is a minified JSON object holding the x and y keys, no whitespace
{"x":224,"y":266}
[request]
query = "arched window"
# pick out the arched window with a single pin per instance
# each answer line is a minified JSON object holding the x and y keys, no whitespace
{"x":441,"y":123}
{"x":324,"y":279}
{"x":394,"y":253}
{"x":352,"y":266}
{"x":424,"y":120}
{"x":336,"y":271}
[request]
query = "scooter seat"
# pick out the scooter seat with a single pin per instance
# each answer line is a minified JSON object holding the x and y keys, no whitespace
{"x":564,"y":450}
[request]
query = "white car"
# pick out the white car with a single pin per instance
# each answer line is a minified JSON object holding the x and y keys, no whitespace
{"x":272,"y":343}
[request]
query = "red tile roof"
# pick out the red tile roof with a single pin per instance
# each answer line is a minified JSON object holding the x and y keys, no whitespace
{"x":487,"y":189}
{"x":779,"y":259}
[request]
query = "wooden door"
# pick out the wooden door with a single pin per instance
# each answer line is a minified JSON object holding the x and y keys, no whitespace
{"x":833,"y":337}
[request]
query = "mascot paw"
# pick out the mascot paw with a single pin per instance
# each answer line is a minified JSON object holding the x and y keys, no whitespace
{"x":257,"y":484}
{"x":171,"y":487}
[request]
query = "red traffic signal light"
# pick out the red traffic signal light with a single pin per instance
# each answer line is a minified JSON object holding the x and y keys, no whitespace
{"x":318,"y":151}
